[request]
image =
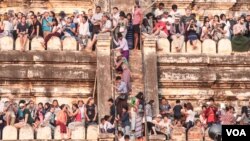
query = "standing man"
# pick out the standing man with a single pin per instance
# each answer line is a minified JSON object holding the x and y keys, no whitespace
{"x":137,"y":21}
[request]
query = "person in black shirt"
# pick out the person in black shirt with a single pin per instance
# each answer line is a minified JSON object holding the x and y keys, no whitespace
{"x":188,"y":17}
{"x":112,"y":110}
{"x":177,"y":110}
{"x":90,"y":112}
{"x":36,"y":28}
{"x":22,"y":31}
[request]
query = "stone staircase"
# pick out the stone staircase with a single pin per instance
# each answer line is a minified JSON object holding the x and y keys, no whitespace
{"x":136,"y":68}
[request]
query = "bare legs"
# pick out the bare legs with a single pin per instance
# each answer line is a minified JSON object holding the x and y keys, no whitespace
{"x":136,"y":40}
{"x":23,"y":41}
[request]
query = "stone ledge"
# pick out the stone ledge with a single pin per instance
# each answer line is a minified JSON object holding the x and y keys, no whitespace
{"x":204,"y":60}
{"x":46,"y":56}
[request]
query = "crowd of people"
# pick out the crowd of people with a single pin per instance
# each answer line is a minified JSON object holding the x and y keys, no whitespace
{"x":176,"y":26}
{"x":129,"y":115}
{"x":67,"y":117}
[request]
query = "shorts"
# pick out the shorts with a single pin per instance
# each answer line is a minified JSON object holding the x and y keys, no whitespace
{"x":136,"y":28}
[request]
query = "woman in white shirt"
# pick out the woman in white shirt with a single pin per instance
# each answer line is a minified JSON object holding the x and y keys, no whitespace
{"x":190,"y":114}
{"x":6,"y":26}
{"x":122,"y":46}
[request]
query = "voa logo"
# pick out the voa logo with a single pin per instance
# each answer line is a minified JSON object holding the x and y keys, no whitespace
{"x":236,"y":132}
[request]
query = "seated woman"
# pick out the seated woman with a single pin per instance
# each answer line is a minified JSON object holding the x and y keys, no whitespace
{"x":218,"y":31}
{"x":76,"y":116}
{"x":122,"y":46}
{"x":206,"y":29}
{"x":22,"y":31}
{"x":160,"y":28}
{"x":56,"y":31}
{"x":49,"y":118}
{"x":239,"y":42}
{"x":192,"y":34}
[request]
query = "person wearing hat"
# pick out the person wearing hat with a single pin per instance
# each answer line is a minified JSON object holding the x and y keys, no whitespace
{"x":46,"y":23}
{"x":157,"y":123}
{"x":177,"y":31}
{"x":24,"y":116}
{"x":10,"y":110}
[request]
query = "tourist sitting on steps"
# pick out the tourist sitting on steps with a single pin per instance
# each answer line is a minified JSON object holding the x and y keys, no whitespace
{"x":76,"y":118}
{"x":24,"y":116}
{"x":240,"y":43}
{"x":49,"y":119}
{"x":83,"y":33}
{"x":10,"y":110}
{"x":22,"y":31}
{"x":106,"y":26}
{"x":69,"y":29}
{"x":177,"y":31}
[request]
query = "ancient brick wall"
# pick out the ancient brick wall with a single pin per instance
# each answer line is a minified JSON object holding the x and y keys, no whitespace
{"x":198,"y":77}
{"x":44,"y":76}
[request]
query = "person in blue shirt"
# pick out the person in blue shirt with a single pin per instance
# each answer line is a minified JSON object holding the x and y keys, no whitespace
{"x":46,"y":24}
{"x":69,"y":29}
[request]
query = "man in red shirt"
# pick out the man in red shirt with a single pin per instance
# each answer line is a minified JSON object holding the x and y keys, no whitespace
{"x":160,"y":28}
{"x":211,"y":112}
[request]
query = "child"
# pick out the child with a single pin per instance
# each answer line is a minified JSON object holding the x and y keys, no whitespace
{"x":102,"y":126}
{"x":109,"y":128}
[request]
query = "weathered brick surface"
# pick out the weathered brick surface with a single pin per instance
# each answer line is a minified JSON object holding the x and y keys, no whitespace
{"x":195,"y":134}
{"x":37,"y":74}
{"x":198,"y":77}
{"x":178,"y":134}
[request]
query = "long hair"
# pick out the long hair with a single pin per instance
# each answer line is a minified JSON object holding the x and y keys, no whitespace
{"x":189,"y":106}
{"x":244,"y":110}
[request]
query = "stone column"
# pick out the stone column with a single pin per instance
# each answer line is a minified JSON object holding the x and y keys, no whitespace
{"x":104,"y":83}
{"x":150,"y":72}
